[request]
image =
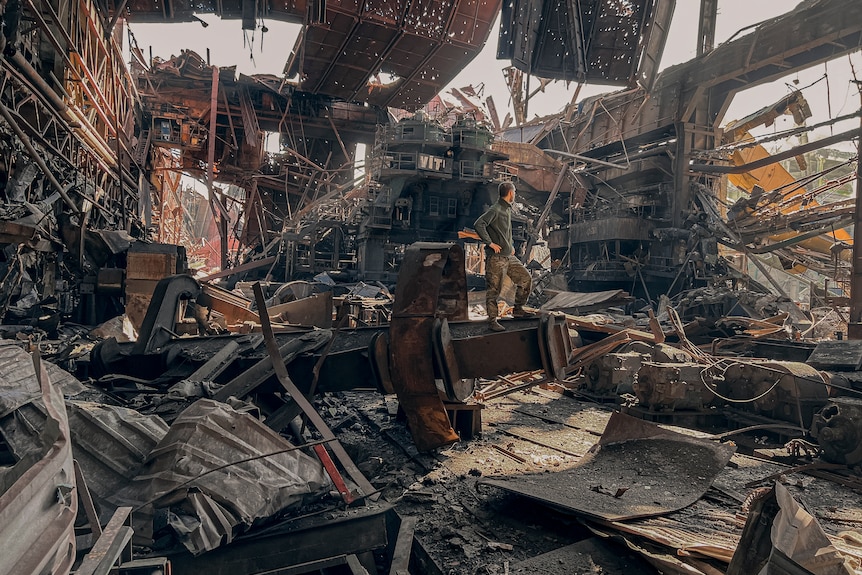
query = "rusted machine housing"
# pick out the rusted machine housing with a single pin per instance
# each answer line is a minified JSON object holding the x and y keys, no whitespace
{"x":672,"y":386}
{"x":838,"y":430}
{"x":785,"y":390}
{"x":614,"y":373}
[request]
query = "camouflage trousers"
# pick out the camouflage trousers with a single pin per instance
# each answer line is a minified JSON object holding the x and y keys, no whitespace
{"x":496,"y":268}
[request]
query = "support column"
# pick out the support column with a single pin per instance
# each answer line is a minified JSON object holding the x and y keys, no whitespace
{"x":706,"y":27}
{"x":211,"y":142}
{"x":854,"y":327}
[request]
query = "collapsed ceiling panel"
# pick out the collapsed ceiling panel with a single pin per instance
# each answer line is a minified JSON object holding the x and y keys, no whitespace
{"x":598,"y":41}
{"x":422,"y":46}
{"x":188,"y":10}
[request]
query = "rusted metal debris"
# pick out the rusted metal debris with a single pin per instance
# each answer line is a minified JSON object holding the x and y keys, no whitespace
{"x":779,"y":534}
{"x":193,"y":420}
{"x":188,"y":399}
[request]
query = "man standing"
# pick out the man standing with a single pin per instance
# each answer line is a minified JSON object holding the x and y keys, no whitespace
{"x":495,"y":229}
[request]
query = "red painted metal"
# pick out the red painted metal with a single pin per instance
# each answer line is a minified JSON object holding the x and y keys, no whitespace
{"x":333,"y":473}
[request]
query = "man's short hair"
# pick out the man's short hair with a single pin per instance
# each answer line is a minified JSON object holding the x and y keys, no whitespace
{"x":505,"y":188}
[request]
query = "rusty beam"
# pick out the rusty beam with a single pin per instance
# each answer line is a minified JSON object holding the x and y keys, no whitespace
{"x":365,"y":488}
{"x":253,"y":265}
{"x":403,"y":546}
{"x":109,"y":547}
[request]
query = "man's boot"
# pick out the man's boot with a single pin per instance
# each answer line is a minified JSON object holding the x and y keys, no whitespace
{"x":519,"y":311}
{"x":494,"y":325}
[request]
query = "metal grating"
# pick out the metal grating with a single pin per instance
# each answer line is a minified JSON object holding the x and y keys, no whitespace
{"x":423,"y":45}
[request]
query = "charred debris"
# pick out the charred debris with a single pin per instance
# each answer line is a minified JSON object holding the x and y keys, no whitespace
{"x":287,"y":373}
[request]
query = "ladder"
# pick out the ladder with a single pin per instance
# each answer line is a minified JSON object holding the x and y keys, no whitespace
{"x":143,"y":148}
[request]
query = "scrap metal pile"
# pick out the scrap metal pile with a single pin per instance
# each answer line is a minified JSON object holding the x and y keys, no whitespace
{"x":255,"y":449}
{"x":326,"y":400}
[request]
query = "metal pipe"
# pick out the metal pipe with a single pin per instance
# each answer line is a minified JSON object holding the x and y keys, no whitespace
{"x":588,"y":159}
{"x":219,"y":215}
{"x":34,"y":154}
{"x":71,"y":115}
{"x":24,"y":66}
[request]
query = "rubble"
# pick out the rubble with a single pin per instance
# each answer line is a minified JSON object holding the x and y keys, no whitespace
{"x":282,"y":375}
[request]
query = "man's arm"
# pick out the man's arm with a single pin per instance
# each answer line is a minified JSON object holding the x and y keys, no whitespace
{"x":481,"y":226}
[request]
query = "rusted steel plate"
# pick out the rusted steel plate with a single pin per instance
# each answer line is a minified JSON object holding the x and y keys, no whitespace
{"x":446,"y":363}
{"x":492,"y":354}
{"x":432,"y":283}
{"x":637,"y":469}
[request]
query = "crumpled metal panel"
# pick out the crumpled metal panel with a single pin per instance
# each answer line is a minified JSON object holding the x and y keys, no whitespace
{"x":111,"y":445}
{"x":210,"y":501}
{"x":38,"y":502}
{"x":637,"y":469}
{"x":424,"y":45}
{"x":780,"y":536}
{"x":617,"y":42}
{"x":18,"y":383}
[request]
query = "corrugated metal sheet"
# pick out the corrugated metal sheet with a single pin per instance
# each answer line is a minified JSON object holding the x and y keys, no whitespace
{"x":111,"y":445}
{"x":18,"y":383}
{"x":38,"y":502}
{"x":424,"y":45}
{"x":614,"y":42}
{"x":569,"y":299}
{"x":210,"y":501}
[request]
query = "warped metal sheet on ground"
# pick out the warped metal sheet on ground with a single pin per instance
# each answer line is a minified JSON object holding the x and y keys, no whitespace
{"x":593,"y":556}
{"x":782,"y":537}
{"x":682,"y":535}
{"x":68,"y":383}
{"x":18,"y":383}
{"x":110,"y":443}
{"x":193,"y":472}
{"x":637,"y":469}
